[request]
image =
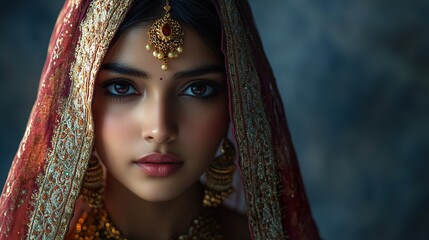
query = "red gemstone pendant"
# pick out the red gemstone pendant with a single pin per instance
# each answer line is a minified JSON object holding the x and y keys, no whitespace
{"x":166,"y":30}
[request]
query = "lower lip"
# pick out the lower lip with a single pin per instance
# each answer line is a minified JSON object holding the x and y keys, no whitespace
{"x":159,"y":169}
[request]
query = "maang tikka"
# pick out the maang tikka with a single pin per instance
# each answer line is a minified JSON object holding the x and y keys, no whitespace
{"x":165,"y":38}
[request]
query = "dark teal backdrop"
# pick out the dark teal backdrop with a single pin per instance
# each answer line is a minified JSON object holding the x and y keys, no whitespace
{"x":354,"y":80}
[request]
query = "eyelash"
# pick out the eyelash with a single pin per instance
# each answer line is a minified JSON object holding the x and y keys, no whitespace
{"x":211,"y":87}
{"x":110,"y":89}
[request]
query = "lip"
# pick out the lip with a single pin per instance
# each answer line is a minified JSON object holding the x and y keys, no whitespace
{"x":159,"y":164}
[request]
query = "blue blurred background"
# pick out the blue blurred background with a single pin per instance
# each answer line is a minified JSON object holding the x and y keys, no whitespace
{"x":354,"y":80}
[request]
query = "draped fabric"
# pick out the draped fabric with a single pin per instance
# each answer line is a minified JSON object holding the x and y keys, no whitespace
{"x":274,"y":192}
{"x":44,"y":181}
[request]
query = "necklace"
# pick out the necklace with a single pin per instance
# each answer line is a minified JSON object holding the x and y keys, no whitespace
{"x":97,"y":225}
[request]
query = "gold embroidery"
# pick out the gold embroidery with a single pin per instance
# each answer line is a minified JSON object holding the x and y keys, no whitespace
{"x":59,"y":185}
{"x":252,"y":129}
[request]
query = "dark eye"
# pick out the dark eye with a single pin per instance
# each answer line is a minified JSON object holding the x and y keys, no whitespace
{"x":121,"y":88}
{"x":199,"y":90}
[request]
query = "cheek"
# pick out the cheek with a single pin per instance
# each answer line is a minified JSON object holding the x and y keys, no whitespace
{"x":115,"y":126}
{"x":109,"y":126}
{"x":113,"y":130}
{"x":209,"y":129}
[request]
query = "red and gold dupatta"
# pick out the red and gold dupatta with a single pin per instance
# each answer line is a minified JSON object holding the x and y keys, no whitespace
{"x":40,"y":193}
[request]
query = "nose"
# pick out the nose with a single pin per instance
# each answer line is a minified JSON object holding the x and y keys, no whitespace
{"x":160,"y":121}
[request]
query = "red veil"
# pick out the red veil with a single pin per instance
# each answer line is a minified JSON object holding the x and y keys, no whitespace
{"x":40,"y":193}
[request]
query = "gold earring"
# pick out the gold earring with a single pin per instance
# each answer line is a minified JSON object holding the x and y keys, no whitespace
{"x":219,"y":176}
{"x":92,"y":187}
{"x":166,"y":36}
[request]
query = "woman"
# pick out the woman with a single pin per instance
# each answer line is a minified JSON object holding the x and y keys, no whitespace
{"x":149,"y":88}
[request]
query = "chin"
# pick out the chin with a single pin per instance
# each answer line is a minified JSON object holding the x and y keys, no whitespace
{"x":158,"y":192}
{"x":157,"y":196}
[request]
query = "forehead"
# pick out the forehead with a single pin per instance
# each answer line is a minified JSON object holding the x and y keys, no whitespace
{"x":130,"y":50}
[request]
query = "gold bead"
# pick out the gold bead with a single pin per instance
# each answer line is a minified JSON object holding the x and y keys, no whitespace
{"x":179,"y":49}
{"x":164,"y":67}
{"x":148,"y":47}
{"x":155,"y":53}
{"x":171,"y":55}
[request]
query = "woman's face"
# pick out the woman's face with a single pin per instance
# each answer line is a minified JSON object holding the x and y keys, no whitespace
{"x":156,"y":130}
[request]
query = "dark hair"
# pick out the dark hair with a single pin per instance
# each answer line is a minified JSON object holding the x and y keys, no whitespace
{"x":198,"y":15}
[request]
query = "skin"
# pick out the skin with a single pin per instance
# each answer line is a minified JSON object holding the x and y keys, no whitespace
{"x":139,"y":109}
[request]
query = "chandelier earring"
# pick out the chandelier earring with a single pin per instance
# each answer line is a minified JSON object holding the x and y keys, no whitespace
{"x":219,"y":176}
{"x":92,"y":186}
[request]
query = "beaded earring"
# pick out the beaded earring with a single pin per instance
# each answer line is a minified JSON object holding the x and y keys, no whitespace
{"x":92,"y":186}
{"x":219,"y":176}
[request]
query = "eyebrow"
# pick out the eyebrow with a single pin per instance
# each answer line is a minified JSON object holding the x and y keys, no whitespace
{"x":121,"y":69}
{"x":199,"y":71}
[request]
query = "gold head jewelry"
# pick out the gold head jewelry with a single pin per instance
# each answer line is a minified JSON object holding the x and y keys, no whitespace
{"x":165,"y":38}
{"x":92,"y":187}
{"x":219,"y":176}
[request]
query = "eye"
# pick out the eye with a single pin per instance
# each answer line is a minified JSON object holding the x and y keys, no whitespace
{"x":199,"y":90}
{"x":120,"y":88}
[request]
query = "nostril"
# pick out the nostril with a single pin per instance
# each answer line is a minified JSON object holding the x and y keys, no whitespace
{"x":161,"y":136}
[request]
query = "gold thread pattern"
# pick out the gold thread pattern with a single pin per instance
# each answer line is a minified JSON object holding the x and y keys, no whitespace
{"x":21,"y":183}
{"x":253,"y":132}
{"x":59,"y":185}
